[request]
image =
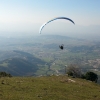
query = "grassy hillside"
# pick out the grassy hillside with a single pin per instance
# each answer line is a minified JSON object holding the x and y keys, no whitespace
{"x":18,"y":67}
{"x":48,"y":88}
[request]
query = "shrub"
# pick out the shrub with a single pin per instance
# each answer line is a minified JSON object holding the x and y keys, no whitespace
{"x":91,"y":76}
{"x":4,"y":74}
{"x":74,"y":71}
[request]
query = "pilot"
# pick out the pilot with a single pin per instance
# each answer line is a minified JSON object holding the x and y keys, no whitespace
{"x":61,"y":46}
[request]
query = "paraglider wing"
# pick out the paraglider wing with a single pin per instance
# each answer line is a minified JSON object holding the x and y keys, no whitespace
{"x":53,"y":20}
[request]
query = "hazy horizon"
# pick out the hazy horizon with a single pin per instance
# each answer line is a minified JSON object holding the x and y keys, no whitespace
{"x":25,"y":17}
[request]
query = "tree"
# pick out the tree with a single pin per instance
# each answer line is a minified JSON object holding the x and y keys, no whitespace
{"x":91,"y":76}
{"x":4,"y":74}
{"x":73,"y":70}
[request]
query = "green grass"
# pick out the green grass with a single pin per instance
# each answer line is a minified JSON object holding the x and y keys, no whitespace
{"x":48,"y":88}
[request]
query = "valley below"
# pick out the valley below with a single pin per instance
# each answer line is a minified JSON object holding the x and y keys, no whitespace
{"x":41,"y":55}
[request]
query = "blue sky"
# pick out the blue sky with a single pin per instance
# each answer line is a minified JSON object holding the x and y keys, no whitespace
{"x":26,"y":16}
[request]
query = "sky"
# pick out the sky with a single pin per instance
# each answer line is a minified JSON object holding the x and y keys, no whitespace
{"x":25,"y":17}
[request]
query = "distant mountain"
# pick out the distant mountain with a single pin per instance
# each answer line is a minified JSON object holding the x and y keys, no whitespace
{"x":18,"y":67}
{"x":29,"y":57}
{"x":56,"y":37}
{"x":26,"y":65}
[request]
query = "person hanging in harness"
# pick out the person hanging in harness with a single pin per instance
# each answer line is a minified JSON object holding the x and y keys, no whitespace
{"x":61,"y":47}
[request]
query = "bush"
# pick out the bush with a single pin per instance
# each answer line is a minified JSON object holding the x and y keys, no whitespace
{"x":4,"y":74}
{"x":74,"y":71}
{"x":91,"y":76}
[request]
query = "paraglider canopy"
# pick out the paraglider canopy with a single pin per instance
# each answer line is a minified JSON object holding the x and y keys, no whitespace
{"x":53,"y":20}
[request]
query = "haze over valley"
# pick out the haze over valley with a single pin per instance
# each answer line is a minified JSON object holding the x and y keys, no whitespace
{"x":41,"y":55}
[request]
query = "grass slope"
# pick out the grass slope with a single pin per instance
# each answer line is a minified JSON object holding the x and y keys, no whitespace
{"x":48,"y":88}
{"x":18,"y":67}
